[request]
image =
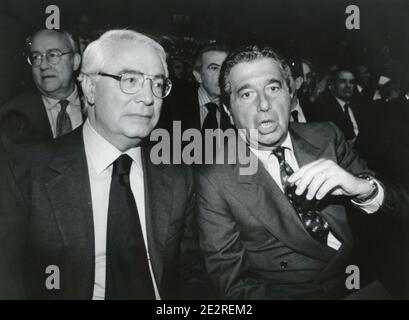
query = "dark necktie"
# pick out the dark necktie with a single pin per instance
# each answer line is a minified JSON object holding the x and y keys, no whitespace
{"x":294,"y":114}
{"x":127,"y":269}
{"x":210,"y":122}
{"x":349,"y":127}
{"x":315,"y":224}
{"x":63,"y":119}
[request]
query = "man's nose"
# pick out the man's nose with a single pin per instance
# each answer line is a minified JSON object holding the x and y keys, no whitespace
{"x":44,"y":63}
{"x":145,"y":94}
{"x":264,"y":103}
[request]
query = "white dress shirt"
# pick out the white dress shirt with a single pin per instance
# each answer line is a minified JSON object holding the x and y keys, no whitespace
{"x":100,"y":155}
{"x":270,"y":163}
{"x":74,"y":111}
{"x":203,"y":100}
{"x":351,"y":115}
{"x":300,"y":113}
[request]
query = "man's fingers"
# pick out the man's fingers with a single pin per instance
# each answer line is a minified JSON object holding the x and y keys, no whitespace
{"x":329,"y":186}
{"x":300,"y":172}
{"x":322,"y":168}
{"x":315,"y":184}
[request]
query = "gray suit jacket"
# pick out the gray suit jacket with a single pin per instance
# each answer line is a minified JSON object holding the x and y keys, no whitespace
{"x":254,"y":243}
{"x":60,"y":228}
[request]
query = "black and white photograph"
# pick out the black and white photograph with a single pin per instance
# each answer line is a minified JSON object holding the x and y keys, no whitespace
{"x":204,"y":155}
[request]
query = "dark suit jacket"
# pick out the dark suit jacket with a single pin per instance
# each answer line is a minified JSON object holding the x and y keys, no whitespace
{"x":327,"y":108}
{"x":60,"y":227}
{"x":24,"y":119}
{"x":183,"y":106}
{"x":254,"y":242}
{"x":13,"y":213}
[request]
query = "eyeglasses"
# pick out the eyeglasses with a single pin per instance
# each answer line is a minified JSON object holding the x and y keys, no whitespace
{"x":53,"y":57}
{"x":132,"y":82}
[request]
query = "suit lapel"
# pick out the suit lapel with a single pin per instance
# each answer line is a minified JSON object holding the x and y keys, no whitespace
{"x":158,"y":206}
{"x":40,"y":113}
{"x":265,"y":200}
{"x":305,"y":153}
{"x":70,"y":196}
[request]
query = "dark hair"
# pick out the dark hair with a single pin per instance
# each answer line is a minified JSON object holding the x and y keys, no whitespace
{"x":296,"y":67}
{"x":341,"y":68}
{"x":214,"y":46}
{"x":245,"y":54}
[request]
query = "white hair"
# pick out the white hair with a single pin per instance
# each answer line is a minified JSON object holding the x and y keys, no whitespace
{"x":100,"y":51}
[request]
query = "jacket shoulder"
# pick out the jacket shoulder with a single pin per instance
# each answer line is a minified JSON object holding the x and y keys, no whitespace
{"x":316,"y":131}
{"x":21,"y":103}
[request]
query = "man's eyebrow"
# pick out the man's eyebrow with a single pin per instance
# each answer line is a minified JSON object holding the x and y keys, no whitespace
{"x":37,"y":51}
{"x":213,"y":64}
{"x":159,"y":75}
{"x":248,"y":86}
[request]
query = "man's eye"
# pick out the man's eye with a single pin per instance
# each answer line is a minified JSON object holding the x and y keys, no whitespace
{"x":214,"y":68}
{"x":53,"y":54}
{"x":130,"y":80}
{"x":158,"y":84}
{"x":246,"y":95}
{"x":273,"y":89}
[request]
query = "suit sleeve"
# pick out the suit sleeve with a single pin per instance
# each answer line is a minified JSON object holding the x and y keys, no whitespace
{"x":347,"y":156}
{"x":195,"y":278}
{"x":12,"y":231}
{"x":225,"y":255}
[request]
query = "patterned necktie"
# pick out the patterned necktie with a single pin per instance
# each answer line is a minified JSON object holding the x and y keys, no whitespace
{"x":349,"y":127}
{"x":64,"y":125}
{"x":210,"y":122}
{"x":127,"y":268}
{"x":315,"y":224}
{"x":294,"y":114}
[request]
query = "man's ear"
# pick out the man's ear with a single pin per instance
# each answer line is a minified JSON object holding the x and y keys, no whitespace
{"x":298,"y":83}
{"x":88,"y":87}
{"x":77,"y":61}
{"x":197,"y":76}
{"x":227,"y":110}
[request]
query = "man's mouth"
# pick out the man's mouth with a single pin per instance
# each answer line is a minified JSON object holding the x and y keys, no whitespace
{"x":267,"y":126}
{"x":48,"y":77}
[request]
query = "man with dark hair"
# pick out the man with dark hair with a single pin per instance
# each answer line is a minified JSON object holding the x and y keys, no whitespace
{"x":281,"y":232}
{"x":56,"y":107}
{"x":337,"y":104}
{"x":200,"y":107}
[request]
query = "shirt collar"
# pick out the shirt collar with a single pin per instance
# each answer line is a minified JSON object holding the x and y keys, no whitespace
{"x":204,"y":97}
{"x":264,"y":155}
{"x":341,"y":102}
{"x":102,"y":153}
{"x":297,"y":106}
{"x":73,"y":99}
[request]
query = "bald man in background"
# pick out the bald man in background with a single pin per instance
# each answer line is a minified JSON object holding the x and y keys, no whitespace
{"x":56,"y":107}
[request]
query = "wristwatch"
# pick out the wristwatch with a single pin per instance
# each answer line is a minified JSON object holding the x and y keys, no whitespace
{"x":371,"y":194}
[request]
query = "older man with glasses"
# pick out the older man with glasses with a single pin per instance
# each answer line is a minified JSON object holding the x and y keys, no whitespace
{"x":116,"y":225}
{"x":55,"y":108}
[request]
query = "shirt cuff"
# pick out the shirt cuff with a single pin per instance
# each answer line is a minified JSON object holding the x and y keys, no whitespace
{"x":372,"y":205}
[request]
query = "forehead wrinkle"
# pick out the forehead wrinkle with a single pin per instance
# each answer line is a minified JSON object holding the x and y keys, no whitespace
{"x":52,"y":40}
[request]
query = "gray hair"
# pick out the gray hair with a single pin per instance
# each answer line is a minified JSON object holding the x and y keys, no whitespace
{"x":72,"y":44}
{"x":101,"y":50}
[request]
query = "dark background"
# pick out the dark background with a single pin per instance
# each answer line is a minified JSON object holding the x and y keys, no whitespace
{"x":314,"y":29}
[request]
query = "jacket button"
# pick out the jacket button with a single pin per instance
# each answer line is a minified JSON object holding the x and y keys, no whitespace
{"x":283,"y":264}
